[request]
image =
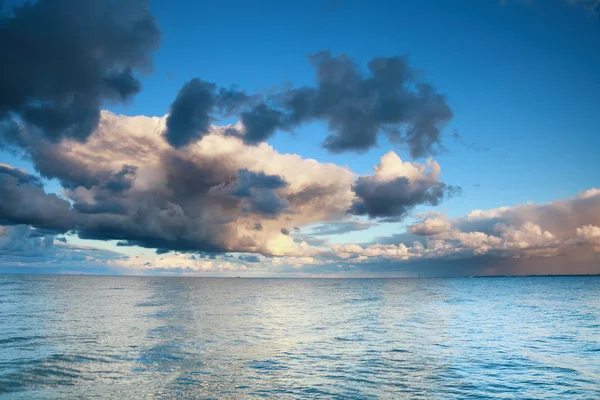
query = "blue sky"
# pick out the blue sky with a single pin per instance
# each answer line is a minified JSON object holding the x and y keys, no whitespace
{"x":520,"y":78}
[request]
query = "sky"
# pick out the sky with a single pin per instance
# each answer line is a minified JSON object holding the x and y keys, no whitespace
{"x":300,"y":139}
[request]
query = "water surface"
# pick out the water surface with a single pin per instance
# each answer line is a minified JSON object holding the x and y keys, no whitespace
{"x":144,"y":337}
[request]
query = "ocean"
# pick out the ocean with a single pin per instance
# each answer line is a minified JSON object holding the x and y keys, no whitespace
{"x":108,"y":337}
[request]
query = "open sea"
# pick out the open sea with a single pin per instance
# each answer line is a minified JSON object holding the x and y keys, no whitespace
{"x":106,"y":337}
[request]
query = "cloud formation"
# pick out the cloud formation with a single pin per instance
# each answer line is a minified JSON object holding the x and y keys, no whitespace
{"x":391,"y":99}
{"x":432,"y":224}
{"x":127,"y":183}
{"x":520,"y":240}
{"x":197,"y":105}
{"x":358,"y":107}
{"x":397,"y":187}
{"x":24,"y":201}
{"x":511,"y":239}
{"x":65,"y":59}
{"x":218,"y":194}
{"x":23,"y":246}
{"x":260,"y":190}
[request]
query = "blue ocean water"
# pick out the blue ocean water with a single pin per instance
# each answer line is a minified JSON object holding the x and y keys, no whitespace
{"x":144,"y":337}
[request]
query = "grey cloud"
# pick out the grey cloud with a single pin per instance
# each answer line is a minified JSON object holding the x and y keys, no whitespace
{"x":390,"y":100}
{"x":260,"y":191}
{"x":22,"y":177}
{"x":285,"y":231}
{"x":396,"y":198}
{"x":24,"y":201}
{"x":358,"y":108}
{"x":189,"y":117}
{"x":64,"y":59}
{"x":198,"y":103}
{"x":261,"y":123}
{"x":248,"y":180}
{"x":24,"y":246}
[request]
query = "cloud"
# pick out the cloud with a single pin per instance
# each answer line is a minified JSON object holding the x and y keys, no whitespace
{"x":260,"y":190}
{"x":506,"y":240}
{"x":24,"y":246}
{"x":65,"y":59}
{"x":24,"y":201}
{"x":127,"y":183}
{"x":20,"y":176}
{"x":520,"y":240}
{"x":195,"y":107}
{"x":432,"y":225}
{"x":390,"y":99}
{"x":217,"y":194}
{"x":26,"y":249}
{"x":341,"y":227}
{"x":260,"y":123}
{"x":397,"y":187}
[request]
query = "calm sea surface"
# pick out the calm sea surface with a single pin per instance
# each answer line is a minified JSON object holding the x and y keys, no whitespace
{"x":142,"y":337}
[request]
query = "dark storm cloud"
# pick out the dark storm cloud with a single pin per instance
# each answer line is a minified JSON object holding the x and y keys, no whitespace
{"x":248,"y":180}
{"x":189,"y":117}
{"x":24,"y":201}
{"x":261,"y":123}
{"x":163,"y":219}
{"x":391,"y":99}
{"x":260,"y":190}
{"x":122,"y":180}
{"x":64,"y":59}
{"x":21,"y":176}
{"x":397,"y":197}
{"x":196,"y":105}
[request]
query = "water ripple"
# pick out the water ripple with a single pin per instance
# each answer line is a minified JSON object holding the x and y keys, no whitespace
{"x":132,"y":337}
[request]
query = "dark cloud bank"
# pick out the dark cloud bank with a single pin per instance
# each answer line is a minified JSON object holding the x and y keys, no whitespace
{"x":64,"y":59}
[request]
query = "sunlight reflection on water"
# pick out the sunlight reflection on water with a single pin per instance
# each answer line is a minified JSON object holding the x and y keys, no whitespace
{"x":141,"y":337}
